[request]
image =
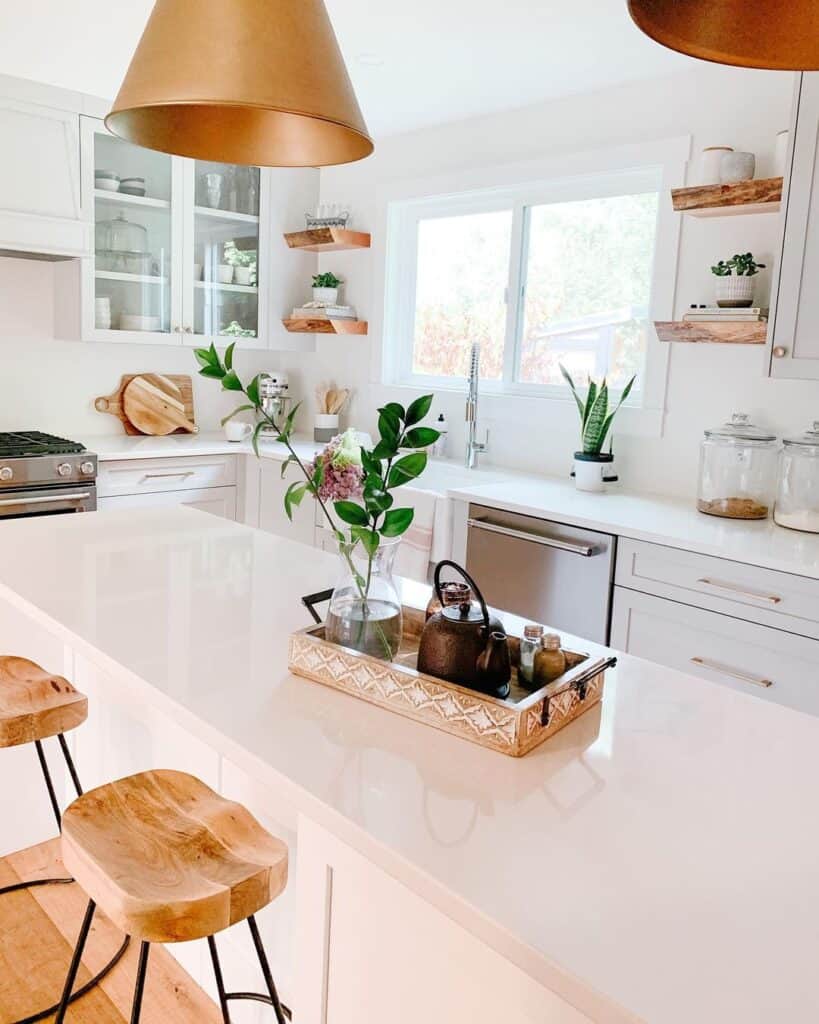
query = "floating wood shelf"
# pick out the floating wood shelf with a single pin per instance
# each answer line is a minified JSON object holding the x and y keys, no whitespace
{"x":327,"y":240}
{"x":761,"y":196}
{"x":322,"y":326}
{"x":709,"y":333}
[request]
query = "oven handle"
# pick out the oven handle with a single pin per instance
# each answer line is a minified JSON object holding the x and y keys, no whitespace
{"x":47,"y":499}
{"x":585,"y":550}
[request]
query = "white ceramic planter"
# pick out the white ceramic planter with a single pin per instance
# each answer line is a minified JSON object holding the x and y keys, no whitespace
{"x":736,"y":167}
{"x":225,"y":274}
{"x":593,"y":472}
{"x":242,"y":275}
{"x":734,"y":292}
{"x":329,"y":296}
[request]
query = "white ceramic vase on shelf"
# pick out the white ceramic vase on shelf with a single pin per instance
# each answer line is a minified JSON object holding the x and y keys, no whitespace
{"x":734,"y":292}
{"x":326,"y":296}
{"x":709,"y":164}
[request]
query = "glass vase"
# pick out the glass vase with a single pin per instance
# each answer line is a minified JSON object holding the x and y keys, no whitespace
{"x":365,"y":609}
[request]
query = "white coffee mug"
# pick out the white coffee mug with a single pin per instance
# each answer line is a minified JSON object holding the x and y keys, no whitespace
{"x":235,"y":430}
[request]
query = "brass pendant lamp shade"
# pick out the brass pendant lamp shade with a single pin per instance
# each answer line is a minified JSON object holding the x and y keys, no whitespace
{"x":258,"y":82}
{"x":782,"y":35}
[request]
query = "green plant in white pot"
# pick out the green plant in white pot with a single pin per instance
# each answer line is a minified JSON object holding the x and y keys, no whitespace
{"x":735,"y":285}
{"x":325,"y":289}
{"x":592,"y":466}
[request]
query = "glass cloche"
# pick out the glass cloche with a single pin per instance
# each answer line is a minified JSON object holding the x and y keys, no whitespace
{"x":797,"y":493}
{"x":737,"y":470}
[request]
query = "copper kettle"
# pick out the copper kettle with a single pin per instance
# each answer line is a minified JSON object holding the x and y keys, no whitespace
{"x":464,"y":644}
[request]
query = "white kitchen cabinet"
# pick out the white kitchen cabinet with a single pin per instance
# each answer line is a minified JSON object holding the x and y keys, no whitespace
{"x":40,"y":199}
{"x":778,"y":599}
{"x":219,"y":501}
{"x":272,"y":516}
{"x":767,"y":663}
{"x":794,"y":337}
{"x":198,"y":259}
{"x":369,"y":951}
{"x":206,"y":482}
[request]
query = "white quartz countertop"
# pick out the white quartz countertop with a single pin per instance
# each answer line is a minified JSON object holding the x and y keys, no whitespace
{"x":653,"y":518}
{"x":659,"y":854}
{"x":650,"y":517}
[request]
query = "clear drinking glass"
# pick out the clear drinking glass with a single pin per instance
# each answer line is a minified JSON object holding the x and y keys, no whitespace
{"x":365,"y":609}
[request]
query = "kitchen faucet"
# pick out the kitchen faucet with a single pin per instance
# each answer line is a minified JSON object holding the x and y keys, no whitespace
{"x":473,"y":446}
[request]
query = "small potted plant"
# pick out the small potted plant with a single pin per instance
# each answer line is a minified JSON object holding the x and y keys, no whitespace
{"x":325,"y":289}
{"x":592,"y":466}
{"x":735,"y":286}
{"x":243,"y":262}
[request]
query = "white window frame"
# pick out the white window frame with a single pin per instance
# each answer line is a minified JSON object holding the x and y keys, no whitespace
{"x":630,"y":169}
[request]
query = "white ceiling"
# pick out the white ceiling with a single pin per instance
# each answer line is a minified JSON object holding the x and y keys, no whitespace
{"x":413,"y":64}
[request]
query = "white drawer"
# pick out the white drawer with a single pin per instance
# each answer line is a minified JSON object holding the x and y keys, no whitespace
{"x":146,"y":476}
{"x":776,"y":666}
{"x":771,"y":598}
{"x":219,"y":501}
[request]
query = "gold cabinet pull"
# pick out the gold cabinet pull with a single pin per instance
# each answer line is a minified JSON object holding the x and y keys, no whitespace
{"x":739,"y":591}
{"x":726,"y":670}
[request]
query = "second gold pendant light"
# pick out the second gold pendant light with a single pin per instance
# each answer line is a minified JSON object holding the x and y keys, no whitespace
{"x":258,"y":82}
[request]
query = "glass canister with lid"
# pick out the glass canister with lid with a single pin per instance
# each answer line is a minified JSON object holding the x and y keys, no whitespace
{"x":737,"y":470}
{"x":797,"y":492}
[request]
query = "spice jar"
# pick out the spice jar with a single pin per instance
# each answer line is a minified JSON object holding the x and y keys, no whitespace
{"x":737,"y":470}
{"x":550,"y":661}
{"x":797,"y":494}
{"x":529,"y":646}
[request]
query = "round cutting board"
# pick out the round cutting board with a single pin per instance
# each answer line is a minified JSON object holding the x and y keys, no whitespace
{"x":154,"y":405}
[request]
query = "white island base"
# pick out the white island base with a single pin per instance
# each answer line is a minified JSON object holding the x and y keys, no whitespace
{"x":654,"y":861}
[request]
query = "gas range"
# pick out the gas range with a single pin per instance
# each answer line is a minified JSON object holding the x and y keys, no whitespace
{"x":45,"y":475}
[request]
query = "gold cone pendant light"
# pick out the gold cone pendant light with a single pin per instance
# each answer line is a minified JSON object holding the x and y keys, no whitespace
{"x":258,"y":82}
{"x":782,"y":35}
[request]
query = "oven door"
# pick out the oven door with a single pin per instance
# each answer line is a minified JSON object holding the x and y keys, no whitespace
{"x":48,"y":501}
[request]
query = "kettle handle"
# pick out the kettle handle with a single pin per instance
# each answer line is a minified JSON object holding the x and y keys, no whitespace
{"x":465,"y":575}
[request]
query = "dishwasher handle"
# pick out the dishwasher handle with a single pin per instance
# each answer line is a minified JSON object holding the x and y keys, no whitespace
{"x":585,"y":550}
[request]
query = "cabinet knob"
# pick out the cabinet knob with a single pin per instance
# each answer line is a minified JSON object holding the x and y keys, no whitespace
{"x":780,"y":351}
{"x":188,"y":330}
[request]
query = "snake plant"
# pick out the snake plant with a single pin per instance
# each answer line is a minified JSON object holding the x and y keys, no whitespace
{"x":596,"y":415}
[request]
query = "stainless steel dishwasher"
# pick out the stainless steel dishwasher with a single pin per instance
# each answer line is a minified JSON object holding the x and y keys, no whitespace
{"x":548,"y":572}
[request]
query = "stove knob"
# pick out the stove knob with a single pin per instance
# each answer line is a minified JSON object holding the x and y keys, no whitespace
{"x":87,"y":468}
{"x":64,"y":469}
{"x":6,"y":473}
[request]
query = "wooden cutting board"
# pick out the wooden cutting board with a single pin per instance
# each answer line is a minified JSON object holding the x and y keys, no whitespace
{"x":154,"y":405}
{"x":115,"y":403}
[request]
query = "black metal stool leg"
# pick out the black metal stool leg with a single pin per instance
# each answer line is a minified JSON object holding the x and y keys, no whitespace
{"x":220,"y":981}
{"x":268,"y":977}
{"x":74,"y":966}
{"x":70,"y":763}
{"x":49,"y":784}
{"x":139,"y":987}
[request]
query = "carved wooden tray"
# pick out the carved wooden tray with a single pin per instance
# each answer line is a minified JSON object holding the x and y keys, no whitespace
{"x":513,"y":726}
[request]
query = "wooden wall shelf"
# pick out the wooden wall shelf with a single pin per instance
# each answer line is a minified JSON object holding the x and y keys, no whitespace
{"x":327,"y":240}
{"x":709,"y":333}
{"x":760,"y":196}
{"x":322,"y":326}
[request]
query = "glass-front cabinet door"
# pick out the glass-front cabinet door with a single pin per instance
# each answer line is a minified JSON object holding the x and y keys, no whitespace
{"x":132,"y":292}
{"x":224,"y":254}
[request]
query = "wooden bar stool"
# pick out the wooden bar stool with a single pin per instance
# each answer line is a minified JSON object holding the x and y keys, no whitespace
{"x":34,"y":706}
{"x":169,"y":860}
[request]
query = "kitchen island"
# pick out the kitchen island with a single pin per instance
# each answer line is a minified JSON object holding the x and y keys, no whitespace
{"x":654,"y":861}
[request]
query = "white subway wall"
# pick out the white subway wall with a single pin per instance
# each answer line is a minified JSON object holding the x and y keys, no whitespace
{"x":49,"y":384}
{"x":715,"y":106}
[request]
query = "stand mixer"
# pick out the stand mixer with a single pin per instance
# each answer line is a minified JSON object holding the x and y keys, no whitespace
{"x":275,"y":399}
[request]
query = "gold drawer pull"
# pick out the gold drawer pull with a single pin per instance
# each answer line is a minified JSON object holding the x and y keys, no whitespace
{"x":182,"y":474}
{"x":734,"y":589}
{"x":715,"y":666}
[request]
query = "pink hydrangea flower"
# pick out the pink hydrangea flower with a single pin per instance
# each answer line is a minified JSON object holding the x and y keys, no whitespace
{"x":343,"y":475}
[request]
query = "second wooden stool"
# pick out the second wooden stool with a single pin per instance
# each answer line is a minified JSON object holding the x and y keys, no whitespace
{"x":169,"y":860}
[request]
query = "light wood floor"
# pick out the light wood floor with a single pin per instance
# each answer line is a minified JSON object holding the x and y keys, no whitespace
{"x":38,"y":928}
